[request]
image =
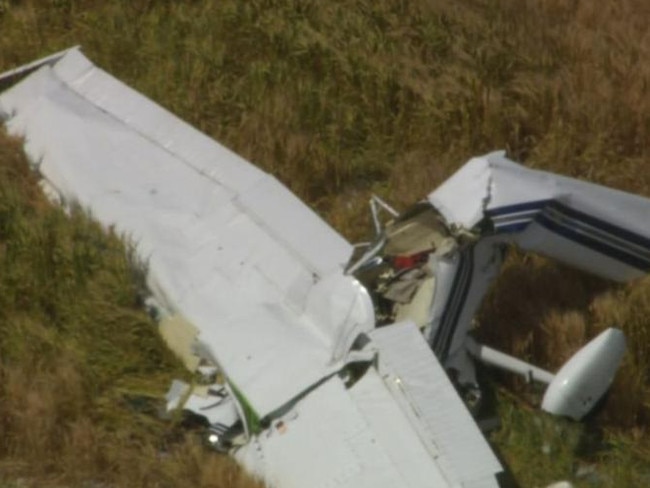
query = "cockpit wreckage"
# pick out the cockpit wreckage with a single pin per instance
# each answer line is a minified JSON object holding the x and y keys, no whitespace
{"x":331,"y":361}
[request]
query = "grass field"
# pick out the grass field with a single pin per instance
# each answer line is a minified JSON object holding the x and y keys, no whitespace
{"x":338,"y":99}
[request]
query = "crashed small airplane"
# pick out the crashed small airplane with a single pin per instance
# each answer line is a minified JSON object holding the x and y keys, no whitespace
{"x":326,"y":365}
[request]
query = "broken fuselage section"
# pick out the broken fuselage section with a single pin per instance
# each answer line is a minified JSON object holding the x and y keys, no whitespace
{"x":410,"y":270}
{"x":434,"y":263}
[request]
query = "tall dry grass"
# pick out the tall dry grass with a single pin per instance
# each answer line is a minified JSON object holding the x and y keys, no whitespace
{"x":341,"y":99}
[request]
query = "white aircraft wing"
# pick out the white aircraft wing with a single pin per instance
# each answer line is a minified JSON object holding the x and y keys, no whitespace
{"x":261,"y":278}
{"x":446,"y":424}
{"x":228,"y":246}
{"x":401,"y":424}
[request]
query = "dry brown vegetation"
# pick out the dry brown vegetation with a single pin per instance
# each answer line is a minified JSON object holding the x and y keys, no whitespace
{"x":341,"y":99}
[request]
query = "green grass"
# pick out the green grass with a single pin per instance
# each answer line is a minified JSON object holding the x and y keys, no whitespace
{"x":541,"y":449}
{"x":340,"y":100}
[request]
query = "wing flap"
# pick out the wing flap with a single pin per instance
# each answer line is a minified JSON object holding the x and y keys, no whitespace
{"x":334,"y":438}
{"x":441,"y":415}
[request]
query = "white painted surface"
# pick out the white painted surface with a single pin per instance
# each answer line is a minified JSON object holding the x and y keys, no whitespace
{"x":229,"y":247}
{"x":347,"y":438}
{"x":441,"y":415}
{"x":324,"y":442}
{"x":492,"y":183}
{"x":585,"y":378}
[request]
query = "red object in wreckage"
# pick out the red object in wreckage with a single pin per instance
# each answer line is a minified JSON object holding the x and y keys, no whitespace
{"x":406,"y":262}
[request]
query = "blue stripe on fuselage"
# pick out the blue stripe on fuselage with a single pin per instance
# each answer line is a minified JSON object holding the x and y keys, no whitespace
{"x":608,"y":239}
{"x":517,"y":208}
{"x":587,"y":240}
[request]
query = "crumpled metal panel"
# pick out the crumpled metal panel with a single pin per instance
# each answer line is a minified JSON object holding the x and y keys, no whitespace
{"x":228,"y":247}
